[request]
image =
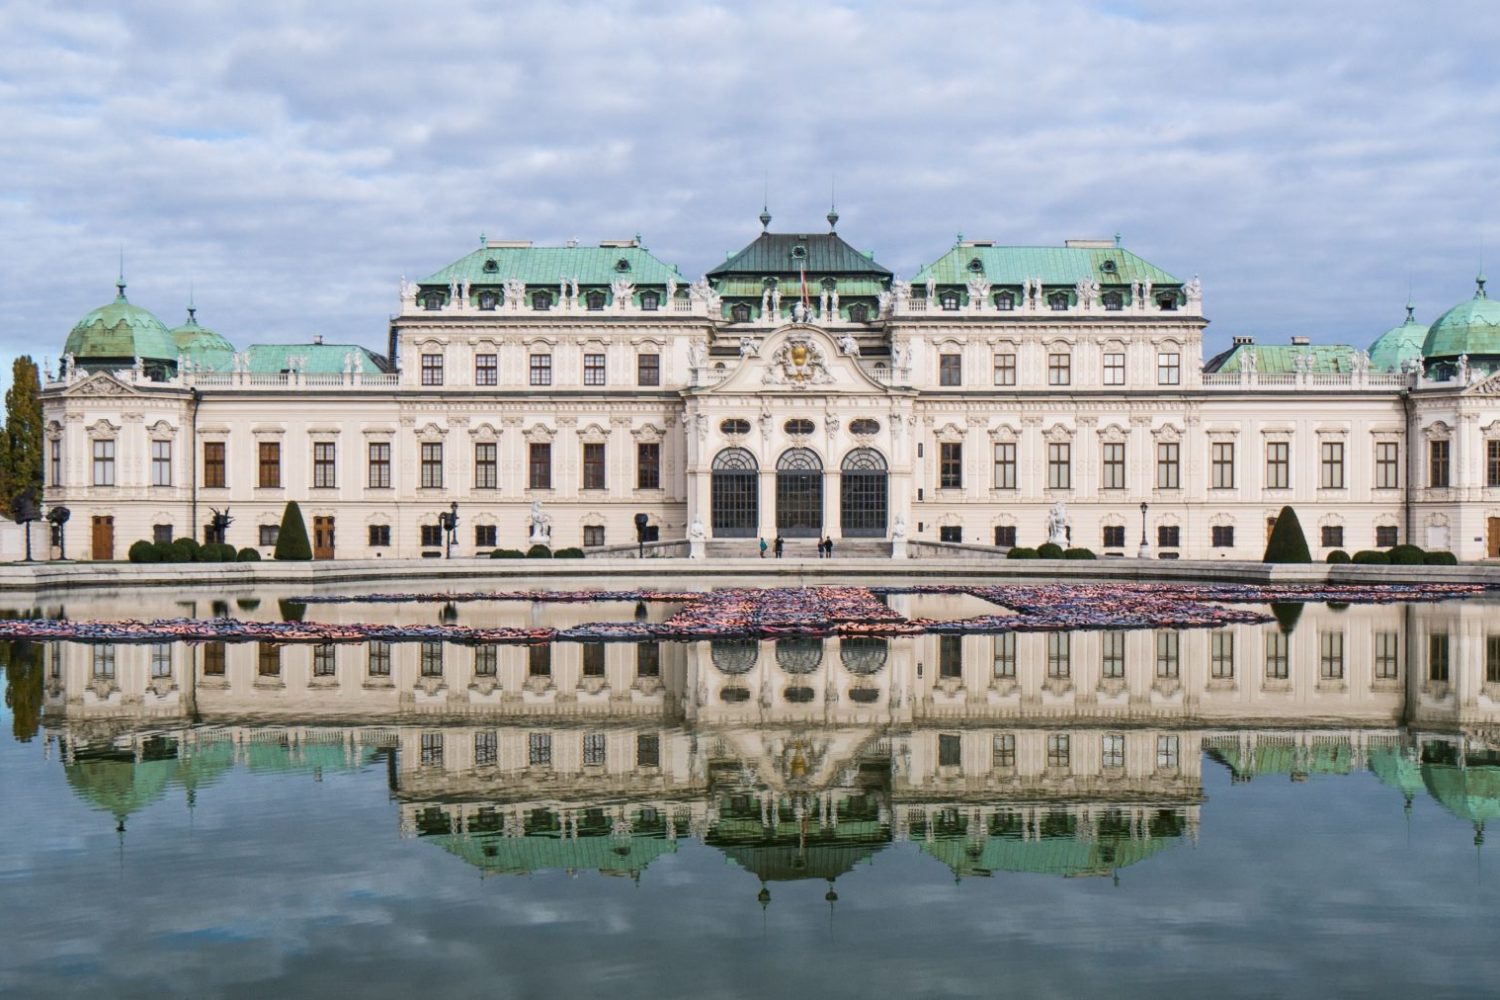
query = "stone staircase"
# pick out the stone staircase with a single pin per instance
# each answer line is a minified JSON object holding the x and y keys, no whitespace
{"x":798,"y":548}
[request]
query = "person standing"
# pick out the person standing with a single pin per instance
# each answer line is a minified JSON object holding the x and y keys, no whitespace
{"x":762,"y":548}
{"x":780,"y":545}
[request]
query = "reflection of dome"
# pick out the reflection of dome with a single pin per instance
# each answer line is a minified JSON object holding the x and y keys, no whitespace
{"x":114,"y":335}
{"x":1396,"y":769}
{"x":1398,"y":345}
{"x":786,"y":851}
{"x":115,"y":781}
{"x":1471,"y":328}
{"x":1470,"y":791}
{"x":201,"y":345}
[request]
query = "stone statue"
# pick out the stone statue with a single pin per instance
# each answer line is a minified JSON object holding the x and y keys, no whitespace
{"x":515,"y":292}
{"x":1194,"y":291}
{"x":900,"y":294}
{"x":899,"y":531}
{"x":799,"y":312}
{"x":1135,"y":295}
{"x":833,"y":304}
{"x":408,"y":293}
{"x":697,"y":354}
{"x":1146,"y":294}
{"x":849,"y":345}
{"x":931,"y":291}
{"x":623,"y":291}
{"x":775,"y":303}
{"x":696,"y":530}
{"x":1057,"y":524}
{"x":748,"y":347}
{"x":1463,"y":369}
{"x":1250,"y":361}
{"x":541,"y":525}
{"x":831,"y":424}
{"x":884,"y":301}
{"x":765,"y":302}
{"x":979,"y":292}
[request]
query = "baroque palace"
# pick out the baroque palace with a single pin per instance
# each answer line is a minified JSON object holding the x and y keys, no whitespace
{"x":799,"y":389}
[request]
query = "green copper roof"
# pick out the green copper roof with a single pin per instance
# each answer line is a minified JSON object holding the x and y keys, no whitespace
{"x":497,"y":854}
{"x":116,"y":782}
{"x":1471,"y":328}
{"x":201,"y":345}
{"x":1053,"y":265}
{"x":552,"y":265}
{"x":1278,"y":756}
{"x":1470,"y":793}
{"x":1066,"y":856}
{"x":121,"y":330}
{"x":1398,"y":345}
{"x":1277,"y":359}
{"x":1396,"y":769}
{"x":786,"y":254}
{"x":322,"y":359}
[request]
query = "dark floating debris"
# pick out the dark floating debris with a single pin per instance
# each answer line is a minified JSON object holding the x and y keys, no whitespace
{"x":777,"y":612}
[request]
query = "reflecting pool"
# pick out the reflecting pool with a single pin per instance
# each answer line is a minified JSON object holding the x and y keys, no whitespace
{"x":1295,"y":807}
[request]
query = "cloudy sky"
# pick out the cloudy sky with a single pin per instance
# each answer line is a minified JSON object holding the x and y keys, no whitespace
{"x":290,"y":161}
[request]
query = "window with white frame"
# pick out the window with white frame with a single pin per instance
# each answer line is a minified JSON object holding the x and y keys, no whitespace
{"x":1331,"y":656}
{"x":1112,"y":655}
{"x":1113,"y":477}
{"x":325,"y":465}
{"x":432,"y":465}
{"x":1059,"y":465}
{"x":1167,"y":752}
{"x":1114,"y":368}
{"x":104,"y":462}
{"x":1005,"y":369}
{"x":1221,"y":456}
{"x":1168,"y":368}
{"x":1005,"y":656}
{"x":1331,"y":465}
{"x":1112,"y":750}
{"x":1168,"y":465}
{"x":1388,"y":465}
{"x":486,"y":465}
{"x":1005,"y":465}
{"x":1221,"y":656}
{"x":161,"y":463}
{"x":1059,"y":369}
{"x":1168,"y":654}
{"x":1278,"y":465}
{"x":1278,"y":655}
{"x":593,"y":369}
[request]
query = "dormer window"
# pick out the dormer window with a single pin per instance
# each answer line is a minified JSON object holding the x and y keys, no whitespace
{"x":1005,"y":301}
{"x":1108,"y":267}
{"x":1113,"y":301}
{"x":799,"y":252}
{"x":541,"y":301}
{"x":976,"y":266}
{"x":488,"y":301}
{"x":622,"y":265}
{"x":1058,"y":301}
{"x":595,"y":301}
{"x":650,"y":302}
{"x":859,"y":313}
{"x":740,"y":313}
{"x":490,"y":267}
{"x":949,"y":301}
{"x":432,"y":301}
{"x":1167,"y":302}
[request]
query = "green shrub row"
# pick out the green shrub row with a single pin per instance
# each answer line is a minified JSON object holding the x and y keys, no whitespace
{"x":1049,"y":550}
{"x":185,"y":550}
{"x":1401,"y":555}
{"x":538,"y":552}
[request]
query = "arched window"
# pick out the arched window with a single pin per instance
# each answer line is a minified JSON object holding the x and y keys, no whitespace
{"x":1167,"y":302}
{"x":734,"y":656}
{"x":488,"y":301}
{"x":734,"y":494}
{"x":976,"y":266}
{"x":864,"y":426}
{"x":1113,"y":301}
{"x":433,"y":301}
{"x":650,"y":301}
{"x":799,"y":493}
{"x":1005,"y":301}
{"x":595,"y":301}
{"x":800,"y":655}
{"x":798,"y":426}
{"x":1058,"y":301}
{"x":859,"y":313}
{"x":864,"y":491}
{"x":863,"y":655}
{"x":541,"y":301}
{"x":740,"y":313}
{"x":622,"y":265}
{"x":949,"y":301}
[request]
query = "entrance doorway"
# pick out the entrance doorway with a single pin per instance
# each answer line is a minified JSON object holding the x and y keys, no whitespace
{"x":863,"y":494}
{"x":103,"y":541}
{"x":799,"y":494}
{"x":322,"y":538}
{"x":734,"y":494}
{"x":1494,"y":538}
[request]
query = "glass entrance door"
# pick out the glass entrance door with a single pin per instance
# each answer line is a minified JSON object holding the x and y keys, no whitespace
{"x":799,"y":494}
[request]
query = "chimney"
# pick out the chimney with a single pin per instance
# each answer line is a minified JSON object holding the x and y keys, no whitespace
{"x":1243,"y":341}
{"x":1300,"y":341}
{"x":317,"y":338}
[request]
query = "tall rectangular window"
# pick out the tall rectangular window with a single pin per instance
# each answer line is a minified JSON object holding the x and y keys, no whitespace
{"x":161,"y":660}
{"x":648,"y":369}
{"x":213,"y":465}
{"x":1332,"y":465}
{"x":486,"y":465}
{"x":380,"y":465}
{"x":486,"y":661}
{"x":647,"y":750}
{"x":1005,"y":656}
{"x":432,"y":465}
{"x":950,"y":656}
{"x":1112,"y":750}
{"x":950,"y":465}
{"x":1492,"y":659}
{"x":1168,"y":368}
{"x":1331,"y":656}
{"x":1221,"y":656}
{"x":214,"y":659}
{"x":1222,"y":536}
{"x":1059,"y":369}
{"x":161,"y":463}
{"x":539,"y":660}
{"x":1278,"y":655}
{"x":431,"y":659}
{"x":1168,"y":650}
{"x":486,"y":369}
{"x":1059,"y":654}
{"x":950,"y":369}
{"x":594,"y":751}
{"x":1059,"y":750}
{"x":1167,"y":750}
{"x":486,"y":748}
{"x":950,"y":750}
{"x":1114,"y":466}
{"x":1005,"y":465}
{"x":432,"y":369}
{"x":593,"y":369}
{"x":1278,"y":465}
{"x":103,"y":662}
{"x":1005,"y":369}
{"x":380,"y":536}
{"x":1387,"y":656}
{"x":268,"y":659}
{"x":1491,"y":462}
{"x":1168,"y":536}
{"x":648,"y":659}
{"x":539,"y":466}
{"x":378,"y":658}
{"x":1114,"y":368}
{"x":539,"y":749}
{"x":1221,"y":454}
{"x":1437,"y":657}
{"x":1059,"y":465}
{"x":325,"y":662}
{"x":104,"y":463}
{"x":431,"y":750}
{"x":484,"y":536}
{"x":541,"y":369}
{"x":1113,"y":536}
{"x":1388,"y":465}
{"x":593,"y":466}
{"x":1168,"y":465}
{"x":648,"y":465}
{"x":1003,"y":751}
{"x":325,"y":465}
{"x":54,"y":462}
{"x":1437,"y":464}
{"x":1112,"y":655}
{"x":270,"y":465}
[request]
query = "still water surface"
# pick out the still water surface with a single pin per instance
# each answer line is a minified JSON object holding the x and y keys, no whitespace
{"x":1295,"y":808}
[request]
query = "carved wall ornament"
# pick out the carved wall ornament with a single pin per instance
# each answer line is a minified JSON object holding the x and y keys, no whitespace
{"x":797,"y":363}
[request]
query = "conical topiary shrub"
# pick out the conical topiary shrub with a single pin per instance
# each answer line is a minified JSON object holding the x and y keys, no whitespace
{"x":1287,"y":543}
{"x":291,"y":541}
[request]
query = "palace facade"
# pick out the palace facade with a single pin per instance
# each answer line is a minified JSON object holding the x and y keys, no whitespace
{"x":799,"y":389}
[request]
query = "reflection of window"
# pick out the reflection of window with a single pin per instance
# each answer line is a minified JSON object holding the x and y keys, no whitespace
{"x":432,"y":659}
{"x":1004,"y":752}
{"x":950,"y":656}
{"x":1112,"y":655}
{"x":161,"y":660}
{"x":486,"y":661}
{"x":1278,"y":659}
{"x":1112,"y":750}
{"x":1168,"y":650}
{"x":104,"y":662}
{"x":648,"y":659}
{"x":486,"y":748}
{"x":594,"y":749}
{"x":1221,"y":656}
{"x":648,"y":750}
{"x":1166,"y":753}
{"x":378,"y":663}
{"x":1437,"y":657}
{"x":1059,"y":750}
{"x":432,"y":750}
{"x":950,"y":750}
{"x":1059,"y":654}
{"x":1331,"y":656}
{"x":323,"y":660}
{"x":1388,"y":655}
{"x":1491,"y":659}
{"x":1005,"y":656}
{"x":268,"y":659}
{"x":213,"y":659}
{"x":539,"y":660}
{"x":539,"y":749}
{"x":593,"y":659}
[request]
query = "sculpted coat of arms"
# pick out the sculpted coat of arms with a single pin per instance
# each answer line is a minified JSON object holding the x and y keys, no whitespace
{"x":797,"y":363}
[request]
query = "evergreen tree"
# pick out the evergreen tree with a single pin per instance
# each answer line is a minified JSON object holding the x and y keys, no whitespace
{"x":21,"y":440}
{"x":291,"y":541}
{"x":1287,"y":544}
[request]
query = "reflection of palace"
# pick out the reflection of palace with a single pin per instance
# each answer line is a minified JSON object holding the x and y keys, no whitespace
{"x":1068,"y":753}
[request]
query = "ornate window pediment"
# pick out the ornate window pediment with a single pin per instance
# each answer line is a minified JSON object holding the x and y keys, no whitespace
{"x":431,"y":432}
{"x":1058,"y":433}
{"x":484,"y":432}
{"x":1113,"y":433}
{"x":539,"y":434}
{"x":593,"y":434}
{"x":1005,"y":432}
{"x":1168,"y":432}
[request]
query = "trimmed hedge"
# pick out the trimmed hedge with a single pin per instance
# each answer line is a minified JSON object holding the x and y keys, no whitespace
{"x":291,"y":543}
{"x":1079,"y":553}
{"x":571,"y":552}
{"x":507,"y":554}
{"x":1407,"y":555}
{"x":1020,"y":552}
{"x":1337,"y":556}
{"x":1440,"y":559}
{"x":1049,"y":550}
{"x":539,"y":551}
{"x":1287,"y":543}
{"x":184,"y":550}
{"x":1371,"y":557}
{"x":143,"y":552}
{"x":247,"y":554}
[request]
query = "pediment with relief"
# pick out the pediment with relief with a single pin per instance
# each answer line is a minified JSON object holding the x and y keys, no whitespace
{"x":799,"y":359}
{"x":100,"y":384}
{"x":1490,"y":386}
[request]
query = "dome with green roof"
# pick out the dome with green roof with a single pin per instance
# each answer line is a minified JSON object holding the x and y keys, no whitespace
{"x":114,"y":335}
{"x":201,"y":345}
{"x":1398,"y":345}
{"x":1471,"y":328}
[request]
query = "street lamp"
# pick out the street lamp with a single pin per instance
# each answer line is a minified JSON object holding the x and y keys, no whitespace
{"x":448,"y":521}
{"x":1145,"y":552}
{"x":640,"y":535}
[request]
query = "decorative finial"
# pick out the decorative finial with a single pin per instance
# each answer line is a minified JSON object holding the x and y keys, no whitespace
{"x":833,"y":219}
{"x":483,"y":242}
{"x":1411,"y":311}
{"x":1117,"y":239}
{"x":833,"y":205}
{"x":192,"y":319}
{"x":765,"y":217}
{"x":1479,"y":281}
{"x":120,"y":282}
{"x":958,"y":239}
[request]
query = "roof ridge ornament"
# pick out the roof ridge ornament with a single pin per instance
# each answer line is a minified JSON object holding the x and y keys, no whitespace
{"x":765,"y":218}
{"x":1479,"y":292}
{"x":120,"y":282}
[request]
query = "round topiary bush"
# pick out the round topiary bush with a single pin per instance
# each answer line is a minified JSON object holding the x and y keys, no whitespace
{"x":1337,"y":556}
{"x":1371,"y":557}
{"x":1440,"y":559}
{"x":216,"y":552}
{"x":247,"y":554}
{"x":571,"y":552}
{"x":1020,"y":552}
{"x":184,"y":550}
{"x":507,"y":554}
{"x":1407,"y":555}
{"x":539,"y":551}
{"x":1049,"y":550}
{"x":143,"y":552}
{"x":1079,"y":553}
{"x":164,"y":552}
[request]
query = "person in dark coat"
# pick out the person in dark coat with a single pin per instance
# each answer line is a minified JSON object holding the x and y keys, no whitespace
{"x":780,"y":545}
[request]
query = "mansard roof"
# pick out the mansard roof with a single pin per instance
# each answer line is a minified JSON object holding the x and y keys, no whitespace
{"x":1279,"y":359}
{"x":320,"y":359}
{"x":820,"y":254}
{"x":497,"y":261}
{"x":1098,"y":260}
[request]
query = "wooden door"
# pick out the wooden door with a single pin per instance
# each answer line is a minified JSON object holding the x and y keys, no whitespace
{"x":1494,"y":539}
{"x":322,"y":538}
{"x":103,"y":538}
